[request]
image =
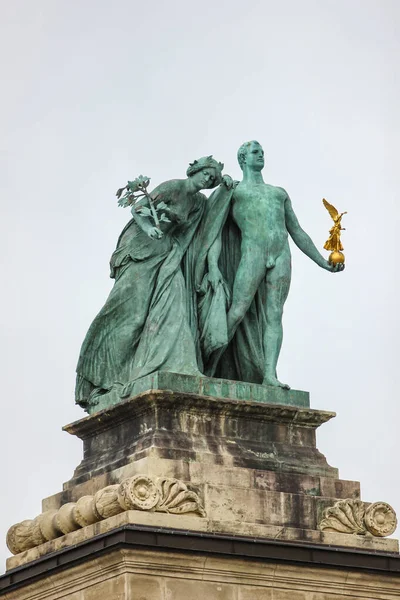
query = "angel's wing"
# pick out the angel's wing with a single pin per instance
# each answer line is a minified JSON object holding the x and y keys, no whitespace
{"x":331,"y":209}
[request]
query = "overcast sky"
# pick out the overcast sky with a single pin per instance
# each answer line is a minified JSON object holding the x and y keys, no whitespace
{"x":95,"y":92}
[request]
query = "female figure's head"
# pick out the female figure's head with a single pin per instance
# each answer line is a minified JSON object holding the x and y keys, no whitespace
{"x":205,"y":173}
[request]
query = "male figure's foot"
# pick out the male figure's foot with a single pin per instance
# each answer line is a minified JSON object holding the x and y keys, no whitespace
{"x":270,"y":380}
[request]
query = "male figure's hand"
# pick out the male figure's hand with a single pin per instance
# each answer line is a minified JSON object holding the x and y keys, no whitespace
{"x":334,"y":268}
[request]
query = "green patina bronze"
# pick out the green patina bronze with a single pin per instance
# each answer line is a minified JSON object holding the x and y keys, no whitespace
{"x":200,"y":286}
{"x":145,"y":325}
{"x":253,"y":256}
{"x":210,"y":387}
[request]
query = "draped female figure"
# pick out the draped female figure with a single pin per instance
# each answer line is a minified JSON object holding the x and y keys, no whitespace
{"x":148,"y":322}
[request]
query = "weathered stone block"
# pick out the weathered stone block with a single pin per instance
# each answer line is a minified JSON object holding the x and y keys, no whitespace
{"x":114,"y":588}
{"x":177,"y":426}
{"x":249,"y":593}
{"x":145,"y":588}
{"x":184,"y":588}
{"x":339,"y":488}
{"x":200,"y":474}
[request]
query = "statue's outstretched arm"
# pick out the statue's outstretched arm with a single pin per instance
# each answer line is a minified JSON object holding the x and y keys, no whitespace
{"x":302,"y":239}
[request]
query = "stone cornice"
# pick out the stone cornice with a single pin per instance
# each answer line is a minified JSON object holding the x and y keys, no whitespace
{"x":195,"y":404}
{"x":190,"y":543}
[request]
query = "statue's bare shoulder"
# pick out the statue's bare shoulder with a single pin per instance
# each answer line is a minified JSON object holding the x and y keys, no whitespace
{"x":278,"y":191}
{"x":246,"y":190}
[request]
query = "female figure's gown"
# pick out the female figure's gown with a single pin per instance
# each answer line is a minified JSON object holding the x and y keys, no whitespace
{"x":148,"y":321}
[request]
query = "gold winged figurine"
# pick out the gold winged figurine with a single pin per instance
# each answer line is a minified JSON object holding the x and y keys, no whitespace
{"x":334,"y":243}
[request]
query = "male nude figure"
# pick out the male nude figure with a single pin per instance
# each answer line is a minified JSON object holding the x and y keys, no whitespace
{"x":265,"y":217}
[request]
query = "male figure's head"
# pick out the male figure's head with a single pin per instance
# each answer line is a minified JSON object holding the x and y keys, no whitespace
{"x":251,"y":156}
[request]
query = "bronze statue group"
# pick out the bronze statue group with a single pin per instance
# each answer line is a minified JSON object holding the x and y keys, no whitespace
{"x":202,"y":291}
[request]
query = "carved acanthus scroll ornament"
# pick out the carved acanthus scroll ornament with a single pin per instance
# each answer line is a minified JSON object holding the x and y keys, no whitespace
{"x":354,"y":516}
{"x":135,"y":493}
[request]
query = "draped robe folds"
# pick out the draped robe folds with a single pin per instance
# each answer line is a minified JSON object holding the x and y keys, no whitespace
{"x":162,"y":313}
{"x":243,"y":358}
{"x":145,"y":323}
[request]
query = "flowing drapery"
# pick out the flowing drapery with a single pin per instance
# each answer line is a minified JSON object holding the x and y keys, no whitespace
{"x":144,"y":324}
{"x":243,"y":358}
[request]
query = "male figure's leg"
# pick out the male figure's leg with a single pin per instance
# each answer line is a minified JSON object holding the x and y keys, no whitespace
{"x":248,"y":277}
{"x":278,"y":284}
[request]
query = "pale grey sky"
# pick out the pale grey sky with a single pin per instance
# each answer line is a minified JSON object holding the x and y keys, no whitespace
{"x":95,"y":92}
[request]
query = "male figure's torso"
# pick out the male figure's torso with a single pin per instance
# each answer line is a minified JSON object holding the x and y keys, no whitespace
{"x":259,"y":211}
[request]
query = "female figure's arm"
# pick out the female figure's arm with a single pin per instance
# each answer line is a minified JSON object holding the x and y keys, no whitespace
{"x":146,"y":225}
{"x":214,"y":274}
{"x":145,"y":222}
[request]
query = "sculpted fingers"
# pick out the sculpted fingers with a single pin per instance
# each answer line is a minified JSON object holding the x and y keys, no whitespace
{"x":228,"y":181}
{"x":214,"y":277}
{"x":154,"y":233}
{"x":338,"y":268}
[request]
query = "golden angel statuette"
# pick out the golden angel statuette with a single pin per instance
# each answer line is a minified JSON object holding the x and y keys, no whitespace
{"x":334,"y":243}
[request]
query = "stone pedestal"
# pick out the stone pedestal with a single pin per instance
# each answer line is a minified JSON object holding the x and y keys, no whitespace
{"x":205,"y":474}
{"x":186,"y":431}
